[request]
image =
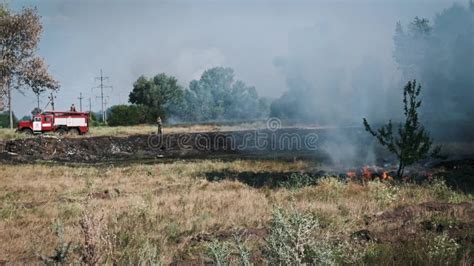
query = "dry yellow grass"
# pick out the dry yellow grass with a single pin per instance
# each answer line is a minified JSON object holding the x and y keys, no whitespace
{"x":6,"y":134}
{"x":143,"y":129}
{"x":35,"y":196}
{"x":148,"y":129}
{"x":168,"y":204}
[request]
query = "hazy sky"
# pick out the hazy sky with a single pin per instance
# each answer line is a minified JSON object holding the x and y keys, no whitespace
{"x":183,"y":38}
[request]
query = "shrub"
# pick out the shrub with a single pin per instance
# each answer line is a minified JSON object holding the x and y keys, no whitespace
{"x":297,"y":181}
{"x":244,"y":253}
{"x":218,"y":252}
{"x":291,"y":239}
{"x":126,"y":115}
{"x":91,"y":225}
{"x":383,"y":193}
{"x":442,"y":192}
{"x":442,"y":248}
{"x":330,"y":188}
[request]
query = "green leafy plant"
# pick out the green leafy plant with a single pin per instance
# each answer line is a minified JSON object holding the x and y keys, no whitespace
{"x":413,"y":142}
{"x":218,"y":252}
{"x":244,"y":252}
{"x":442,"y":248}
{"x":297,"y":181}
{"x":291,"y":240}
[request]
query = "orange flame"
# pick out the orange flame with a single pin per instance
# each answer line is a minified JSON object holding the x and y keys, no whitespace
{"x":386,"y":176}
{"x":351,"y":174}
{"x":366,"y":173}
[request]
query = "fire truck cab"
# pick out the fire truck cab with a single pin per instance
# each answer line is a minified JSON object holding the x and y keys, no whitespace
{"x":54,"y":121}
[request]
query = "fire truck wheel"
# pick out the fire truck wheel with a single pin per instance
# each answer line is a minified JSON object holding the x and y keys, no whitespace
{"x":27,"y":131}
{"x":61,"y":131}
{"x":74,"y":131}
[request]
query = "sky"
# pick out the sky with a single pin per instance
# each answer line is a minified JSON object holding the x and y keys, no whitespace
{"x":183,"y":38}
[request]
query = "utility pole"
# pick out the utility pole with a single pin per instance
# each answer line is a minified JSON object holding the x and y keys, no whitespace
{"x":102,"y":96}
{"x":80,"y":101}
{"x":90,"y":105}
{"x":105,"y":104}
{"x":38,"y":100}
{"x":51,"y":98}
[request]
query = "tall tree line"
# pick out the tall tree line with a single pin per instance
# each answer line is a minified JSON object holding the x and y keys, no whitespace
{"x":216,"y":96}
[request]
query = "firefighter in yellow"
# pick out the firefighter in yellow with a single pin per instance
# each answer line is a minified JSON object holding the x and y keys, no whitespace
{"x":159,"y":124}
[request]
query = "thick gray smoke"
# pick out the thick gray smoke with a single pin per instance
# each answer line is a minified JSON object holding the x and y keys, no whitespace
{"x":335,"y":81}
{"x":269,"y":44}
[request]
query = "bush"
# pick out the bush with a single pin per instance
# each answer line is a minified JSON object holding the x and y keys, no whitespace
{"x":383,"y":193}
{"x":127,"y":115}
{"x":330,"y":189}
{"x":5,"y":120}
{"x":291,"y":240}
{"x":218,"y":252}
{"x":442,"y":248}
{"x":300,"y":180}
{"x":442,"y":192}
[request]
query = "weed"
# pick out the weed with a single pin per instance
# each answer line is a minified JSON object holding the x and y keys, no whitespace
{"x":70,"y":211}
{"x":61,"y":251}
{"x":9,"y":211}
{"x":348,"y":253}
{"x":218,"y":252}
{"x":330,"y":188}
{"x":442,"y":192}
{"x":290,"y":239}
{"x":383,"y":193}
{"x":244,"y":253}
{"x":91,"y":230}
{"x":297,"y":181}
{"x":148,"y":254}
{"x":442,"y":248}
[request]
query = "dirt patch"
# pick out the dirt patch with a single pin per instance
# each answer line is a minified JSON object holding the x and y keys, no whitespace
{"x":137,"y":147}
{"x":106,"y":194}
{"x":259,"y":233}
{"x":289,"y":143}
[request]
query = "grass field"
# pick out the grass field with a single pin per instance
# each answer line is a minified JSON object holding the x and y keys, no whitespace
{"x":6,"y":133}
{"x":124,"y":130}
{"x":176,"y":213}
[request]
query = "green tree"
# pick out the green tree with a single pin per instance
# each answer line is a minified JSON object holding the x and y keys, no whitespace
{"x":217,"y":96}
{"x":126,"y":115}
{"x":413,"y":142}
{"x":439,"y":53}
{"x":159,"y":94}
{"x":5,"y":120}
{"x":19,"y":66}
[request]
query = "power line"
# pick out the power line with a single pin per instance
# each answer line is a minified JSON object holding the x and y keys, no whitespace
{"x":80,"y":101}
{"x":105,"y":104}
{"x":102,"y":96}
{"x":51,"y":98}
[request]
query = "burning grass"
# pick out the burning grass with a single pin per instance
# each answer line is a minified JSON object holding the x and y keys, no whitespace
{"x":173,"y":212}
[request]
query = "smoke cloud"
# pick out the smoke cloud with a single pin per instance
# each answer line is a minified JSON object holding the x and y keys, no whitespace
{"x":338,"y":55}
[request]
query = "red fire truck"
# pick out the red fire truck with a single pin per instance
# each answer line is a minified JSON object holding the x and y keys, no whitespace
{"x":54,"y":121}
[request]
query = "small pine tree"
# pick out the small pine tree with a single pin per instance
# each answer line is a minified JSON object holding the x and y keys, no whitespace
{"x":413,"y":141}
